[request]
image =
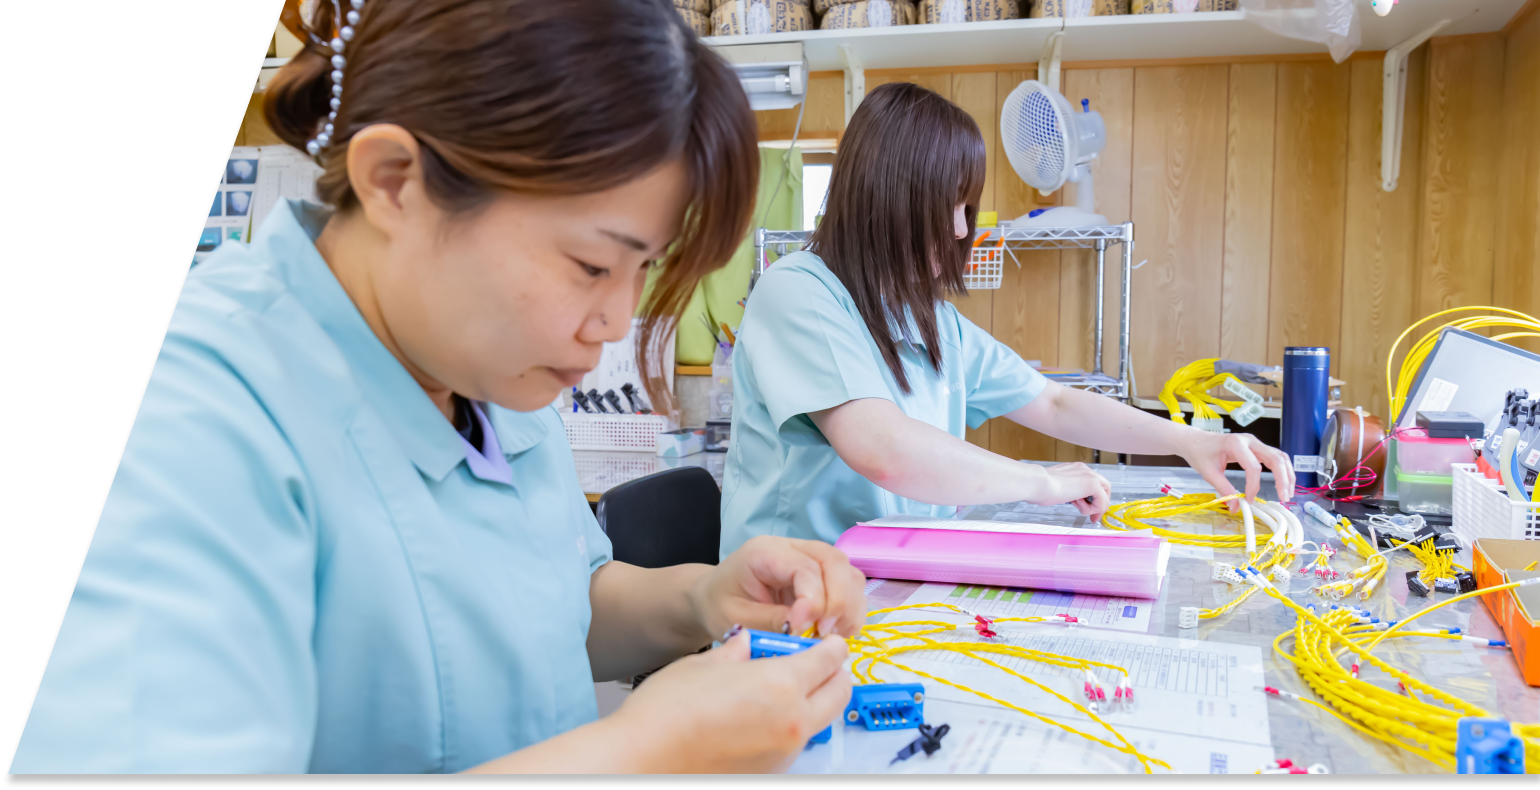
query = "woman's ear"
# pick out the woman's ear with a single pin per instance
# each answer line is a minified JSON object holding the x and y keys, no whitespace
{"x":385,"y":170}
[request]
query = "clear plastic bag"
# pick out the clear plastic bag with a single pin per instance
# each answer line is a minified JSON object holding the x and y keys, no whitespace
{"x":1330,"y":22}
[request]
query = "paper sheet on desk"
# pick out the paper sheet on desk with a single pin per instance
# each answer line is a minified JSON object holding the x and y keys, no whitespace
{"x":1199,"y":707}
{"x":1097,"y":611}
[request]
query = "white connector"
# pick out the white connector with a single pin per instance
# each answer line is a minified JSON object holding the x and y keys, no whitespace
{"x":1225,"y":572}
{"x":1189,"y":616}
{"x":1280,"y":574}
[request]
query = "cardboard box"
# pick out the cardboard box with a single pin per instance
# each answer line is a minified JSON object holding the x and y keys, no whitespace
{"x":1500,"y":561}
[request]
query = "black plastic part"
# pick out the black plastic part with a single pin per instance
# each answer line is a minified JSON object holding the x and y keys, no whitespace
{"x":1425,"y":534}
{"x":664,"y":519}
{"x":928,"y":742}
{"x":1466,"y":581}
{"x":1445,"y":542}
{"x":598,"y":401}
{"x":582,"y":400}
{"x":1451,"y":425}
{"x":614,"y":400}
{"x":1415,"y":584}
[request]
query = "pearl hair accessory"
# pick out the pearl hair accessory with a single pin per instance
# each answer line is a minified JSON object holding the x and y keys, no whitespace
{"x":338,"y":44}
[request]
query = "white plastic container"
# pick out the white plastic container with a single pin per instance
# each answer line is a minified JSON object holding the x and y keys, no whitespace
{"x":1482,"y":509}
{"x":1430,"y":495}
{"x":630,"y":432}
{"x":1418,"y":454}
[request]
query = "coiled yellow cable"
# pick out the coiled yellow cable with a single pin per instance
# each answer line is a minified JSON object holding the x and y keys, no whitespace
{"x":1401,"y":385}
{"x":1192,"y":383}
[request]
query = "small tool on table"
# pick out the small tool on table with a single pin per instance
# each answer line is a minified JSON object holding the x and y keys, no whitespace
{"x":929,"y":742}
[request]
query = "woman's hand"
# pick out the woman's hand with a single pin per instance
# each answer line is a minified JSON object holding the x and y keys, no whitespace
{"x":1210,"y":453}
{"x":1076,"y":484}
{"x":776,"y":584}
{"x":719,"y":712}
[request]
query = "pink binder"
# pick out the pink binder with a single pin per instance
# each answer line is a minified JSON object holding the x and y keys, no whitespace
{"x":1088,"y":563}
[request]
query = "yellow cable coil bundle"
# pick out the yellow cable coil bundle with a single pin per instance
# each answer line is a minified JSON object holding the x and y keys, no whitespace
{"x":1192,"y":383}
{"x":1401,"y":719}
{"x":879,"y":643}
{"x":1400,"y":386}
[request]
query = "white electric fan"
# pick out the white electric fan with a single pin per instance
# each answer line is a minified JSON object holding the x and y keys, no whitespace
{"x":1048,"y":143}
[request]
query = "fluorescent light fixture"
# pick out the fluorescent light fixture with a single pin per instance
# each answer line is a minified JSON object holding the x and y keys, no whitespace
{"x":773,"y":75}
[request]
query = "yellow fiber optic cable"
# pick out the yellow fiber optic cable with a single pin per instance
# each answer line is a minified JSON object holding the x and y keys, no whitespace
{"x":1399,"y":387}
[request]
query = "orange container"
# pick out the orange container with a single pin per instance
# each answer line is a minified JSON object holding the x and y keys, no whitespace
{"x":1494,"y":558}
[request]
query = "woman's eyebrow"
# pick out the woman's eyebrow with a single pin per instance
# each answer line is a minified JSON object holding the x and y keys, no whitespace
{"x":630,"y":241}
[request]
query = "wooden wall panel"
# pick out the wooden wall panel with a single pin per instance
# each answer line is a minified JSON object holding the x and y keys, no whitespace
{"x":1026,"y":315}
{"x":975,"y":93}
{"x":1516,"y":264}
{"x":1178,"y":213}
{"x":823,"y":118}
{"x":1248,"y":212}
{"x":1460,"y":157}
{"x":1309,"y":185}
{"x":1380,"y":245}
{"x":1111,"y":92}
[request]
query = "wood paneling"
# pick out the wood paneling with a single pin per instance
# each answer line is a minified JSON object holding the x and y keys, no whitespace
{"x":1460,"y":155}
{"x":975,"y":93}
{"x":1309,"y":191}
{"x":1178,"y":213}
{"x":1026,"y":314}
{"x":1516,"y":263}
{"x":1380,"y":245}
{"x":1248,"y":212}
{"x":824,"y":117}
{"x":1111,"y":93}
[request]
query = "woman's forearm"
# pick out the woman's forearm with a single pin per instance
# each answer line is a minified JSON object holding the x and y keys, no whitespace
{"x":919,"y":461}
{"x":643,"y":618}
{"x":1099,"y":422}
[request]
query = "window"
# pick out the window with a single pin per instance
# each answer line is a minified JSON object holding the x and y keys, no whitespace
{"x":815,"y":187}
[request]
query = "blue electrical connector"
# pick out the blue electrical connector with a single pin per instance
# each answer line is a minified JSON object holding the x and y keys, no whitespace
{"x":887,"y":706}
{"x":1487,"y":746}
{"x":763,"y":644}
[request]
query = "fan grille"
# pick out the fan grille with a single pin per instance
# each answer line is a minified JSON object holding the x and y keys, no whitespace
{"x":1032,"y":131}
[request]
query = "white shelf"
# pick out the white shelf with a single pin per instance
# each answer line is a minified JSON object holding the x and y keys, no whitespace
{"x":1130,"y":37}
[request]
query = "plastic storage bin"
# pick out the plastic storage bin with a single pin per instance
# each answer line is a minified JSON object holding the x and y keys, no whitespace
{"x":1431,"y":495}
{"x":1418,"y":454}
{"x":1482,"y":509}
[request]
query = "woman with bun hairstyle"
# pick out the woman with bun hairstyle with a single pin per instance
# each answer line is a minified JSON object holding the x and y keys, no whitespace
{"x":854,"y":379}
{"x":346,"y":534}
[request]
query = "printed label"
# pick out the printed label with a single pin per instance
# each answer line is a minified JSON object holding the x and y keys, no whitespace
{"x":1210,"y":424}
{"x":1533,"y":457}
{"x":1440,"y":395}
{"x":1307,"y":463}
{"x":1244,"y":392}
{"x":1247,"y":414}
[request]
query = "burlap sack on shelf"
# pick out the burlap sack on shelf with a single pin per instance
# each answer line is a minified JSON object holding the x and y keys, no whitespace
{"x":698,"y":22}
{"x":1180,"y":6}
{"x":715,"y":4}
{"x":702,"y":7}
{"x":1073,"y":8}
{"x":821,"y":7}
{"x":944,"y":12}
{"x":760,"y":17}
{"x":869,"y":13}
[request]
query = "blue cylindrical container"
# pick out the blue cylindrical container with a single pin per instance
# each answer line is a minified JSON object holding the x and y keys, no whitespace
{"x":1306,"y":378}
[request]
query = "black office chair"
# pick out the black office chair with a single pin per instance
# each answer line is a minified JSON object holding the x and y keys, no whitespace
{"x":664,"y":519}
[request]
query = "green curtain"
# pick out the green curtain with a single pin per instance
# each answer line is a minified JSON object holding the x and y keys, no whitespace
{"x":719,"y":297}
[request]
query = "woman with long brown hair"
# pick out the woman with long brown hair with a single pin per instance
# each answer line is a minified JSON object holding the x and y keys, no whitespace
{"x":854,"y":379}
{"x":346,"y":534}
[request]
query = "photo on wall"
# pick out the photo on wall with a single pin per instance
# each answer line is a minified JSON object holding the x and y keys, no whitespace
{"x":241,"y":171}
{"x":237,"y":203}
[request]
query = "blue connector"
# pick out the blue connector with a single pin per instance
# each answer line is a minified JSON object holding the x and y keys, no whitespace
{"x":1496,"y":643}
{"x":763,"y":644}
{"x":887,"y":706}
{"x":1454,"y":630}
{"x":1487,"y":746}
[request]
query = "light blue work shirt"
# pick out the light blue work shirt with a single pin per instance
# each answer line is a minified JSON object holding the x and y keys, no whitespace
{"x":803,"y":347}
{"x":297,"y":569}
